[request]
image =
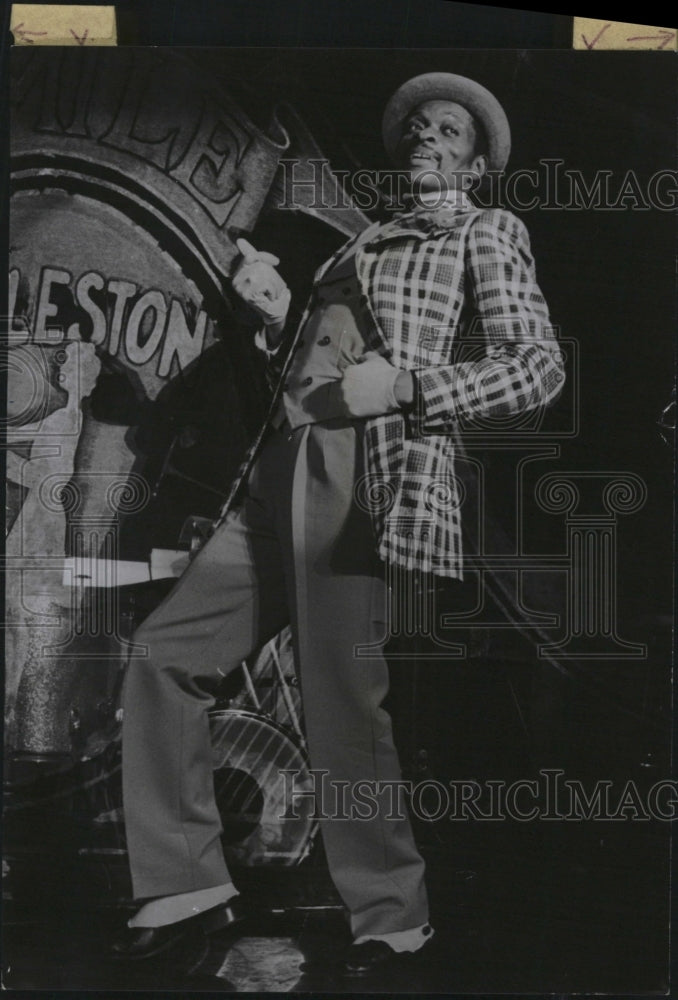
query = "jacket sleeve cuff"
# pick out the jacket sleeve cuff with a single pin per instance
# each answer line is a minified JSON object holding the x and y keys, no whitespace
{"x":440,"y":399}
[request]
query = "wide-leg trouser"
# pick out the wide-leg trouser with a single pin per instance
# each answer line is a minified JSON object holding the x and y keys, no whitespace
{"x":299,"y":550}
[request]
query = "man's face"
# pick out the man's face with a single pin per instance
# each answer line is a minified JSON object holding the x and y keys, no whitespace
{"x":439,"y":138}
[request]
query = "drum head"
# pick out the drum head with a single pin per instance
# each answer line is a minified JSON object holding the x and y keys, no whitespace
{"x":266,"y":818}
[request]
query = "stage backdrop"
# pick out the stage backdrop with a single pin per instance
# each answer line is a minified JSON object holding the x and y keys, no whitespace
{"x":130,"y":374}
{"x":134,"y":385}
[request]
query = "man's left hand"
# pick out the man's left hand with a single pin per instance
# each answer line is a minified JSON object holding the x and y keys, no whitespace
{"x":368,"y":388}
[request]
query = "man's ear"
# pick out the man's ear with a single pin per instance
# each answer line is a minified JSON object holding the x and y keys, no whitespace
{"x":479,"y":165}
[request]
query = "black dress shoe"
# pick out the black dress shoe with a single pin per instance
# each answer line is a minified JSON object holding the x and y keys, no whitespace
{"x":361,"y":959}
{"x":224,"y":916}
{"x":147,"y":942}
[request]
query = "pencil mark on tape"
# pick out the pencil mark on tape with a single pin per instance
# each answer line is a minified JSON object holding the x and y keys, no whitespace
{"x":589,"y":45}
{"x":80,"y":40}
{"x":663,"y":37}
{"x":17,"y":30}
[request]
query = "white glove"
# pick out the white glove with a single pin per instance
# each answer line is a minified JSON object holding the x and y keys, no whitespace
{"x":367,"y":387}
{"x":258,"y":283}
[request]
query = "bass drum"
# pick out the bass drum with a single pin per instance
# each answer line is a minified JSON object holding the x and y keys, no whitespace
{"x":263,"y":789}
{"x":263,"y":824}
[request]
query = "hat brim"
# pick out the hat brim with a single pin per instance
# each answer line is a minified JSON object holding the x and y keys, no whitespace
{"x":477,"y":100}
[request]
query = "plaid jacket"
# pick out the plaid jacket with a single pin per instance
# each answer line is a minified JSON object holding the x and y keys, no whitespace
{"x":437,"y":284}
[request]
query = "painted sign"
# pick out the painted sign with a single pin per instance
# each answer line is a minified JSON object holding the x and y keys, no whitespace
{"x":133,"y":172}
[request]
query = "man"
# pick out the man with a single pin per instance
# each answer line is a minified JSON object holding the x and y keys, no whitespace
{"x":353,"y":470}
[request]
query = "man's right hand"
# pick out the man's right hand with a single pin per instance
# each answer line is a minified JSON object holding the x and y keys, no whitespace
{"x":258,"y":283}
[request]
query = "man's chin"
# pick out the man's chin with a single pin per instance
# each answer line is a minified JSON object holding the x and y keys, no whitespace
{"x":427,"y":187}
{"x":427,"y":179}
{"x":428,"y":184}
{"x":432,"y":183}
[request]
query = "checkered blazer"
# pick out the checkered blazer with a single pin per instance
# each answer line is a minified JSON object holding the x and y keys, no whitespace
{"x":450,"y":295}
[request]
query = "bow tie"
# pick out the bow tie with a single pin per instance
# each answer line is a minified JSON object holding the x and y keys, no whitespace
{"x":444,"y":217}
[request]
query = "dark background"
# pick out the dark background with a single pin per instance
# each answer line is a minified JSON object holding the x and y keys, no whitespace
{"x":609,"y":280}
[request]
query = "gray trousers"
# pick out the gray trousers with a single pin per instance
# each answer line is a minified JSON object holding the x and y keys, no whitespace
{"x":298,"y":550}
